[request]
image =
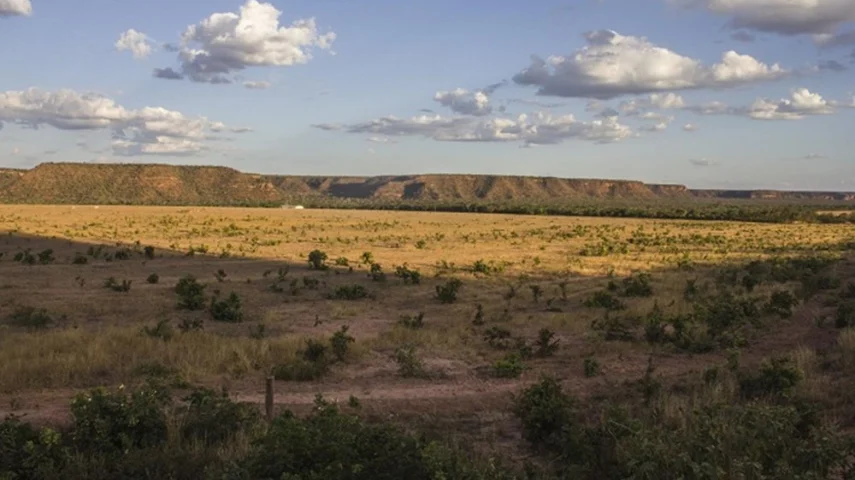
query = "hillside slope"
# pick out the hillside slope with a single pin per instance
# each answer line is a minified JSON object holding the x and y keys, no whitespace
{"x":76,"y":183}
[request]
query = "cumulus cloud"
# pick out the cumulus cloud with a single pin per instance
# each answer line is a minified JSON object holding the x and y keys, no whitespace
{"x":654,"y":101}
{"x":463,"y":101}
{"x":802,"y":103}
{"x":690,"y":127}
{"x":785,"y":17}
{"x":256,"y":85}
{"x":149,"y":130}
{"x":136,"y":42}
{"x":166,"y":73}
{"x":14,"y":8}
{"x":536,"y":129}
{"x":612,"y":65}
{"x":216,"y":48}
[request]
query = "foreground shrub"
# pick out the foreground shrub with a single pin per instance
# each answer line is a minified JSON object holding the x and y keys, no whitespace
{"x":191,"y":293}
{"x":350,"y":292}
{"x":227,"y":310}
{"x":214,"y":418}
{"x":117,"y":421}
{"x":317,"y":260}
{"x":31,"y":317}
{"x":447,"y":293}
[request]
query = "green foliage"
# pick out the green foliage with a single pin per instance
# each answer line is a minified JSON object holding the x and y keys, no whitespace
{"x":311,"y":283}
{"x":220,"y":275}
{"x":479,"y":316}
{"x":317,"y":260}
{"x":350,"y":292}
{"x":114,"y":285}
{"x":213,"y":418}
{"x":413,"y":322}
{"x":844,"y":317}
{"x":367,"y":258}
{"x":637,"y":285}
{"x":777,"y":376}
{"x":118,"y":421}
{"x":31,"y":318}
{"x":547,"y":415}
{"x":546,"y":345}
{"x":25,"y":257}
{"x":409,"y":364}
{"x":28,"y":453}
{"x":510,"y":366}
{"x":153,"y":279}
{"x":781,"y":303}
{"x":616,"y":328}
{"x":447,"y":293}
{"x":342,"y":262}
{"x":311,"y":364}
{"x":122,"y":254}
{"x":604,"y":299}
{"x":340,"y":343}
{"x":79,"y":259}
{"x":148,"y":252}
{"x":591,"y":367}
{"x":162,"y":330}
{"x":376,"y":273}
{"x":46,"y":257}
{"x":536,"y":292}
{"x":227,"y":310}
{"x":191,"y":293}
{"x":408,"y":275}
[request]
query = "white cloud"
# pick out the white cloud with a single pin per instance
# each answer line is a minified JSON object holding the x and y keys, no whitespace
{"x":256,"y":85}
{"x":13,"y":8}
{"x":379,"y":140}
{"x":657,"y":101}
{"x":136,"y":42}
{"x":149,"y":130}
{"x":802,"y":103}
{"x":690,"y":127}
{"x":786,"y":17}
{"x":538,"y":129}
{"x":611,"y":65}
{"x":225,"y":43}
{"x":463,"y":101}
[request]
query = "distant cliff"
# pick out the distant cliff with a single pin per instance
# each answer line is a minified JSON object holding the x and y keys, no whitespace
{"x":158,"y":184}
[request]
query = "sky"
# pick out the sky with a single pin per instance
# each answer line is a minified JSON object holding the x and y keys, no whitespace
{"x":705,"y":93}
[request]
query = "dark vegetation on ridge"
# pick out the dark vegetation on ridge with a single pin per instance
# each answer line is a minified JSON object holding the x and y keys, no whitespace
{"x":157,"y":184}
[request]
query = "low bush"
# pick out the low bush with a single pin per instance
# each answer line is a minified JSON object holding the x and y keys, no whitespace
{"x":191,"y":293}
{"x":447,"y":293}
{"x":229,"y":309}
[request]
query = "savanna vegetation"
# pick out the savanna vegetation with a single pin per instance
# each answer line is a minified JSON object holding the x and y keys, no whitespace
{"x":135,"y":343}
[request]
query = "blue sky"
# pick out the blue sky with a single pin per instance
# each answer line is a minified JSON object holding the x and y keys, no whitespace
{"x":617,"y":88}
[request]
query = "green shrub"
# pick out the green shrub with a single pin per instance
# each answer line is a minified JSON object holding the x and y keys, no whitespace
{"x":479,"y":316}
{"x":409,"y":365}
{"x":153,"y":279}
{"x":162,"y":330}
{"x":350,"y":292}
{"x":220,"y":275}
{"x":777,"y":376}
{"x":340,"y":343}
{"x":122,"y":254}
{"x":28,"y":453}
{"x":213,"y":418}
{"x":317,"y":260}
{"x":191,"y":293}
{"x":114,"y":285}
{"x":781,"y":303}
{"x":46,"y":257}
{"x":80,"y":259}
{"x":511,"y":366}
{"x":342,"y":262}
{"x":498,"y":337}
{"x":408,"y":275}
{"x":311,"y":364}
{"x":31,"y":317}
{"x":447,"y":293}
{"x":413,"y":322}
{"x":376,"y":274}
{"x":227,"y":310}
{"x":311,"y":283}
{"x":545,"y":345}
{"x":591,"y":367}
{"x":604,"y":299}
{"x":25,"y":257}
{"x":547,"y":415}
{"x":637,"y":285}
{"x":148,"y":252}
{"x":615,"y":328}
{"x":117,"y":421}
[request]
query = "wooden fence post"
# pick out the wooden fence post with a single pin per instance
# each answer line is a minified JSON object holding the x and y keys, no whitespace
{"x":268,"y":399}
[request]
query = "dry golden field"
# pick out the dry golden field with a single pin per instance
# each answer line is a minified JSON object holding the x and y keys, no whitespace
{"x":527,"y":273}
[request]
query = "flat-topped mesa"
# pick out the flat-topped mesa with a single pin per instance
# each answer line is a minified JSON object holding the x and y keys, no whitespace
{"x":161,"y":184}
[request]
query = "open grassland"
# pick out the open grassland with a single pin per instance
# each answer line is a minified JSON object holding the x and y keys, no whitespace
{"x":437,"y":320}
